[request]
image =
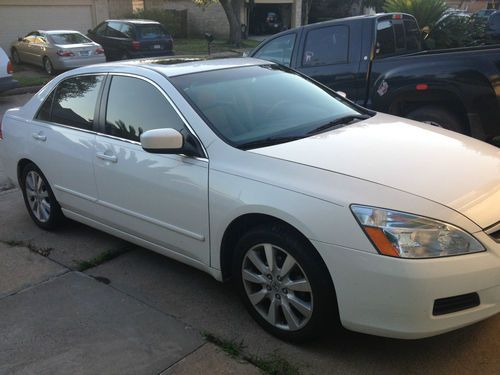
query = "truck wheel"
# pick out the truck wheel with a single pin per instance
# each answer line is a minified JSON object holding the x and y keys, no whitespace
{"x":284,"y":284}
{"x":437,"y":116}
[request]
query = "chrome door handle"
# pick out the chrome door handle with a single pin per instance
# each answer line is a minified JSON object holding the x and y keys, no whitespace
{"x":111,"y":158}
{"x":39,"y":137}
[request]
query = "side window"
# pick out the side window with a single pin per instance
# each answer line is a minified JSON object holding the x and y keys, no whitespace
{"x":386,"y":43}
{"x":326,"y":46}
{"x":127,"y":117}
{"x":278,"y":50}
{"x":113,"y":30}
{"x":101,"y":29}
{"x":44,"y":111}
{"x":75,"y":101}
{"x":127,"y":30}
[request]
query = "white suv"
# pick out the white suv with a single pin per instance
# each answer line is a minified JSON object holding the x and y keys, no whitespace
{"x":6,"y":70}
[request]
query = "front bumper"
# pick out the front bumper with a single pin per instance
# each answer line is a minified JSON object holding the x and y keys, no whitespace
{"x":395,"y":297}
{"x":8,"y":83}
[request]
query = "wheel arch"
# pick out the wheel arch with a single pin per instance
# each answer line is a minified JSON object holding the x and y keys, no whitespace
{"x":20,"y":166}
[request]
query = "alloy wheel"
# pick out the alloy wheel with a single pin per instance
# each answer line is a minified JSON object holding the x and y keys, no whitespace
{"x":38,"y":196}
{"x":48,"y":66}
{"x":277,"y":287}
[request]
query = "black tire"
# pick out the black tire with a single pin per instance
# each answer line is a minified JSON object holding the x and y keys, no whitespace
{"x":438,"y":116}
{"x":16,"y":59}
{"x":124,"y":56}
{"x":55,"y":217}
{"x":324,"y":315}
{"x":48,"y":67}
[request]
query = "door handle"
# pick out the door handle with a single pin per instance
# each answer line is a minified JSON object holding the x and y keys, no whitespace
{"x":111,"y":158}
{"x":39,"y":137}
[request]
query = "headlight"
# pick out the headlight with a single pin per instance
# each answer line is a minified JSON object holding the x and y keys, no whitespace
{"x":403,"y":235}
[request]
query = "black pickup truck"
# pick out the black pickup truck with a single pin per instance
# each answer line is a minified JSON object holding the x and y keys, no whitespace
{"x":379,"y":63}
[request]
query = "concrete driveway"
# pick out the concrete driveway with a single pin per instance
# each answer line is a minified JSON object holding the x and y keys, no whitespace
{"x":143,"y":313}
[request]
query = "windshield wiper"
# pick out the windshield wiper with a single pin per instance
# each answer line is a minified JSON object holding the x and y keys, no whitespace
{"x":342,"y":121}
{"x":268,"y":142}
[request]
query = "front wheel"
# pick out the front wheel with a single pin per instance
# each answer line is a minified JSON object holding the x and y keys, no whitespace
{"x":284,"y":284}
{"x":39,"y":199}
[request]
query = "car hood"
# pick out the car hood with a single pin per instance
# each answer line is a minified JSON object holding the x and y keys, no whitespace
{"x":443,"y":166}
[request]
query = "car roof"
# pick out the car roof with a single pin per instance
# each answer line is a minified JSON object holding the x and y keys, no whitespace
{"x":135,"y":21}
{"x":58,"y":31}
{"x":180,"y":65}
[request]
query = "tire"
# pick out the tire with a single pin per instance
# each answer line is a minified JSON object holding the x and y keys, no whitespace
{"x":437,"y":116}
{"x":47,"y":66}
{"x":303,"y":298}
{"x":15,"y":57}
{"x":124,"y":56}
{"x":40,"y":201}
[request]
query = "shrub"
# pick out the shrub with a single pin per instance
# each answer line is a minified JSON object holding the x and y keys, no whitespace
{"x":174,"y":21}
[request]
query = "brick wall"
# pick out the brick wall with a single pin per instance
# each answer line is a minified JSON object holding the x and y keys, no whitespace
{"x":210,"y":19}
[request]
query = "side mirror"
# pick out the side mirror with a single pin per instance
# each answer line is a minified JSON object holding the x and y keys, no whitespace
{"x":162,"y":141}
{"x":342,"y":94}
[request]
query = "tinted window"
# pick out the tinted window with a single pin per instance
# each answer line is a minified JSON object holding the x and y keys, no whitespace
{"x":412,"y":35}
{"x":128,"y":30}
{"x":44,"y":111}
{"x":101,"y":29}
{"x":135,"y":106}
{"x":257,"y":103}
{"x":278,"y":50}
{"x":399,"y":35}
{"x":386,"y":43}
{"x":75,"y":101}
{"x":113,"y":30}
{"x":326,"y":46}
{"x":151,"y":31}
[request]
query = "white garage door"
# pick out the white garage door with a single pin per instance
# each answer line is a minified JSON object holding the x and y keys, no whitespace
{"x":18,"y":20}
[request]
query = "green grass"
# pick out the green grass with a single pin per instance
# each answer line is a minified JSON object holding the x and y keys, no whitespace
{"x":27,"y":81}
{"x":199,"y":46}
{"x":271,"y":365}
{"x":99,"y":259}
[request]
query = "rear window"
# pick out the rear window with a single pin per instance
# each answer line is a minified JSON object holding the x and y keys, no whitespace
{"x":69,"y":38}
{"x":151,"y":31}
{"x":397,"y":36}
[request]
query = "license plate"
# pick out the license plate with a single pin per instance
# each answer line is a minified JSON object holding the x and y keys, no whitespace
{"x":84,"y":53}
{"x":157,"y":46}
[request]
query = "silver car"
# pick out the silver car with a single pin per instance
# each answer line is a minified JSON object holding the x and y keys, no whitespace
{"x":57,"y":50}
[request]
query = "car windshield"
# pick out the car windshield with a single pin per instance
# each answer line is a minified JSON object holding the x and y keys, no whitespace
{"x":69,"y":38}
{"x":256,"y":106}
{"x":151,"y":31}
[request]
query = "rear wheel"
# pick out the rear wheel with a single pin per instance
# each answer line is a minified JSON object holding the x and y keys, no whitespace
{"x":39,"y":199}
{"x":47,"y":65}
{"x":284,"y":284}
{"x":15,"y":56}
{"x":437,"y":116}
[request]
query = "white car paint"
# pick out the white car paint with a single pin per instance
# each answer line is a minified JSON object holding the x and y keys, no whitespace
{"x":310,"y":184}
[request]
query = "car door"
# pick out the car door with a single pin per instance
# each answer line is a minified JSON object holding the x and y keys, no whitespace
{"x":63,"y":140}
{"x":162,"y":199}
{"x":23,"y":48}
{"x":327,"y":58}
{"x":38,"y":49}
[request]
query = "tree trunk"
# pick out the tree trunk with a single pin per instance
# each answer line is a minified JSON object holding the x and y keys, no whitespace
{"x":232,"y":8}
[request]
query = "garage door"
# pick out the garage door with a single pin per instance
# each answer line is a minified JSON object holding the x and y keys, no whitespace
{"x":18,"y":20}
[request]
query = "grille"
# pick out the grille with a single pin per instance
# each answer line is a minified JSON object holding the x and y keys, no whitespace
{"x":450,"y":305}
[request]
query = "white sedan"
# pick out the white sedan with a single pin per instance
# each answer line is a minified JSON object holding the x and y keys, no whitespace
{"x":318,"y":210}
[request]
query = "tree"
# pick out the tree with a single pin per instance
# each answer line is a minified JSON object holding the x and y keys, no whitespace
{"x":232,"y":8}
{"x":427,"y":12}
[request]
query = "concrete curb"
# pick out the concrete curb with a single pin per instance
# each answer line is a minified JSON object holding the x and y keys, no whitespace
{"x":22,"y":90}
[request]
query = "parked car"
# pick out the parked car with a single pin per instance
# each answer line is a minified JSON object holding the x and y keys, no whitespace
{"x":57,"y":50}
{"x":128,"y":39}
{"x":484,"y":13}
{"x":493,"y":28}
{"x":378,"y":61}
{"x":316,"y":208}
{"x":6,"y":70}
